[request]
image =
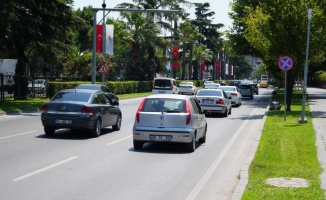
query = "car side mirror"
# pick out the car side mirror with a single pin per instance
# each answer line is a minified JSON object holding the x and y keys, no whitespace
{"x":115,"y":103}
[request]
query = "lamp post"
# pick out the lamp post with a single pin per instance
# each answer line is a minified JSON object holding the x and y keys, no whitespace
{"x":303,"y":114}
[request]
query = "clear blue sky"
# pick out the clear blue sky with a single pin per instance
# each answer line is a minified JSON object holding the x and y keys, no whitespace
{"x":220,"y":7}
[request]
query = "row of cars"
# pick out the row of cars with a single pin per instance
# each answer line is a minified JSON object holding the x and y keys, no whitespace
{"x":170,"y":118}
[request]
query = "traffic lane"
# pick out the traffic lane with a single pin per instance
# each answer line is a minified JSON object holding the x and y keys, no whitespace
{"x":127,"y":168}
{"x":223,"y":175}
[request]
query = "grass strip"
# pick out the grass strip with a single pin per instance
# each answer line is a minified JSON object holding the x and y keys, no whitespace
{"x":287,"y":149}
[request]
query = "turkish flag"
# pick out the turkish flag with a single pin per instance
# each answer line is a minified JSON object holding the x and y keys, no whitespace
{"x":203,"y":65}
{"x":175,"y":65}
{"x":217,"y":66}
{"x":175,"y":51}
{"x":99,"y":38}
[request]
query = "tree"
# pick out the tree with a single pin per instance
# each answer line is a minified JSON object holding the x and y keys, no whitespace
{"x":30,"y":28}
{"x":275,"y":30}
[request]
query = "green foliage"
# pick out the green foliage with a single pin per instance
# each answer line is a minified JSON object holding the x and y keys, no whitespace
{"x":286,"y":149}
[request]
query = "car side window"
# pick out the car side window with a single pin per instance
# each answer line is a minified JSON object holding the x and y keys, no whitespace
{"x":224,"y":94}
{"x":195,"y":106}
{"x":100,"y":99}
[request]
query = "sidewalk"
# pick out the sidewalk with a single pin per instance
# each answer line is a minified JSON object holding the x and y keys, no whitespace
{"x":316,"y":98}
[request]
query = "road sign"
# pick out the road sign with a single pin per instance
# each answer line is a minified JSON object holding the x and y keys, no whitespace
{"x":285,"y":63}
{"x":103,"y":70}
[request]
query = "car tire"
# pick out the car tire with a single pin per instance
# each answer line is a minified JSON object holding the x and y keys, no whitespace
{"x":117,"y":126}
{"x":252,"y":96}
{"x":96,"y":131}
{"x":138,"y":145}
{"x":190,"y":147}
{"x":226,"y":113}
{"x":203,"y":139}
{"x":49,"y":131}
{"x":230,"y":111}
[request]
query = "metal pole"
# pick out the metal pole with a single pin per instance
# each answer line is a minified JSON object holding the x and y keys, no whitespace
{"x":303,"y":114}
{"x":285,"y":86}
{"x":94,"y":49}
{"x":103,"y":33}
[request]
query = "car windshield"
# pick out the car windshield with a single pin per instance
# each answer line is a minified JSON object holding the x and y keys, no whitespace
{"x":212,"y":85}
{"x":162,"y":82}
{"x":72,"y":96}
{"x":167,"y":105}
{"x":244,"y":86}
{"x":186,"y":83}
{"x":228,"y":88}
{"x":209,"y":93}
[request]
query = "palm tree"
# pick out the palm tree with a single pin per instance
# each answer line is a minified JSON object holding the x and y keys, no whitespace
{"x":188,"y":37}
{"x":201,"y":52}
{"x":144,"y":33}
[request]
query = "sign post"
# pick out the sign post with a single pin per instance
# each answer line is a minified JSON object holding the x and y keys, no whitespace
{"x":285,"y":63}
{"x":103,"y":70}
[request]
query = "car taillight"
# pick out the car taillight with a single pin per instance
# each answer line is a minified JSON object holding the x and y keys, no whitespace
{"x":234,"y":94}
{"x":171,"y":86}
{"x":87,"y":110}
{"x":188,"y":113}
{"x":139,"y":109}
{"x":220,"y":101}
{"x":44,"y":108}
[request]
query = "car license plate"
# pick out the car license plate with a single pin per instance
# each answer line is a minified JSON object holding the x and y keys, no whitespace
{"x":59,"y":121}
{"x":160,"y":138}
{"x":208,"y":101}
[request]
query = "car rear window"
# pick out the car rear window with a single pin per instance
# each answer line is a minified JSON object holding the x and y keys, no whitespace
{"x":167,"y":105}
{"x":71,"y":96}
{"x":209,"y":93}
{"x":244,"y":86}
{"x":228,"y":88}
{"x":162,"y":83}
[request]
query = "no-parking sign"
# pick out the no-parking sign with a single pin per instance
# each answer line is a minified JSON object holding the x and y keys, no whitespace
{"x":285,"y":63}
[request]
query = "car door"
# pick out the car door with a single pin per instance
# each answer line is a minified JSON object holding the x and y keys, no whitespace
{"x":103,"y":109}
{"x":200,"y":120}
{"x":112,"y":109}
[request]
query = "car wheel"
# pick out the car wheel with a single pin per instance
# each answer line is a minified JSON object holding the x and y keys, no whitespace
{"x":96,"y":131}
{"x":191,"y":146}
{"x":49,"y":131}
{"x":117,"y":126}
{"x":203,"y":139}
{"x":252,"y":96}
{"x":226,"y":113}
{"x":230,"y":111}
{"x":138,"y":145}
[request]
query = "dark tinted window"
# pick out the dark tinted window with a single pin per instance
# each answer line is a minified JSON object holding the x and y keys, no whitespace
{"x":71,"y":96}
{"x":162,"y":83}
{"x":244,"y":86}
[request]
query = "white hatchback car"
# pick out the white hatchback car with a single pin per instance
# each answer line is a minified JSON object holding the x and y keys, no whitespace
{"x":187,"y":88}
{"x":169,"y":118}
{"x":234,"y":93}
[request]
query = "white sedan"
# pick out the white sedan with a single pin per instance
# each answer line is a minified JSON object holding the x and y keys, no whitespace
{"x":187,"y":88}
{"x":233,"y":92}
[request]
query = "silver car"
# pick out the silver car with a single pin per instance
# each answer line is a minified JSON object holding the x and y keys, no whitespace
{"x":169,"y":118}
{"x":234,"y":93}
{"x":214,"y":101}
{"x":187,"y":88}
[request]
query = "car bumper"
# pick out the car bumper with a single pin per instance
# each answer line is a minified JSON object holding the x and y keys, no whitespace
{"x":178,"y":135}
{"x":213,"y":109}
{"x":68,"y":122}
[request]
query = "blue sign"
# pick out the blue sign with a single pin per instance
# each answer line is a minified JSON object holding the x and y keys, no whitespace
{"x":285,"y":63}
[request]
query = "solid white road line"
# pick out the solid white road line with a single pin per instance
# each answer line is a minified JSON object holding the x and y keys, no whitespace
{"x":118,"y":140}
{"x":9,"y":136}
{"x":201,"y":183}
{"x":44,"y":169}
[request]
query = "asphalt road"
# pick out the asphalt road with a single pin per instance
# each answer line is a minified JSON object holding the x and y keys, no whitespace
{"x":71,"y":165}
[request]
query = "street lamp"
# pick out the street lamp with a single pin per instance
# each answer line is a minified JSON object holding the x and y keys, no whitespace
{"x":303,"y":114}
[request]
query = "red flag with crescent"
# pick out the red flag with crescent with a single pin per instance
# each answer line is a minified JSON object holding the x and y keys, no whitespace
{"x":175,"y":51}
{"x":217,"y":66}
{"x":203,"y":65}
{"x":175,"y":65}
{"x":99,"y":38}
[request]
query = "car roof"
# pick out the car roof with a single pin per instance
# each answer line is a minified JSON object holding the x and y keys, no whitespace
{"x":80,"y":90}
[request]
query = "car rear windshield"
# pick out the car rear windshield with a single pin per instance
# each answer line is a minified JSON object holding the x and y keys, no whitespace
{"x":89,"y":87}
{"x":71,"y":96}
{"x":209,"y":93}
{"x":167,"y":105}
{"x":244,"y":86}
{"x":228,"y":88}
{"x":162,"y":83}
